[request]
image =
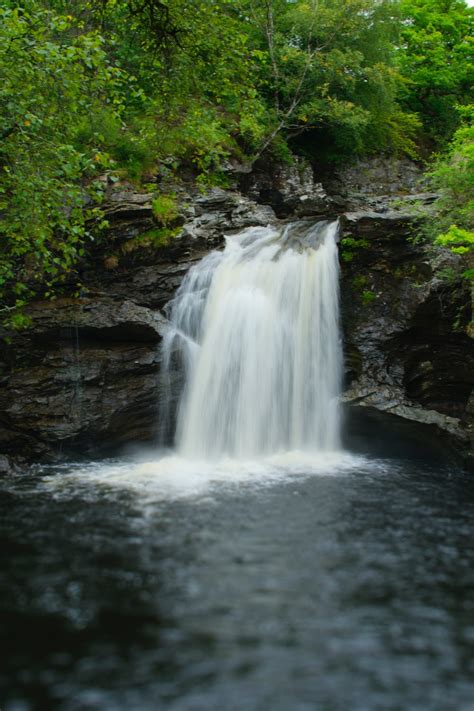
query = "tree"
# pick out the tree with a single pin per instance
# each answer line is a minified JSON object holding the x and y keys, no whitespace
{"x":436,"y":60}
{"x":52,"y":81}
{"x":120,"y":86}
{"x":453,"y":175}
{"x":326,"y":70}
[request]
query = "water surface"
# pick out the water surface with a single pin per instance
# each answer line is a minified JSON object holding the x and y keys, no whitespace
{"x":345,"y":584}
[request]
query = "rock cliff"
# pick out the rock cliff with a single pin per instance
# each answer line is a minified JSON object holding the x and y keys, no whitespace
{"x":85,"y":378}
{"x":407,"y":316}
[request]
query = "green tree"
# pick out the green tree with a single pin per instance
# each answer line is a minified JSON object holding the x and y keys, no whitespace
{"x":51,"y":80}
{"x":326,"y":71}
{"x":436,"y":60}
{"x":453,"y":175}
{"x":192,"y":61}
{"x":120,"y":86}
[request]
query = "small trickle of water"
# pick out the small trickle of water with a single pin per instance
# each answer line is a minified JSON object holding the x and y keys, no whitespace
{"x":257,"y":328}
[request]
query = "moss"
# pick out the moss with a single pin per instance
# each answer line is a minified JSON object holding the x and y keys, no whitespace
{"x":155,"y":238}
{"x":19,"y":321}
{"x":165,"y":209}
{"x":349,"y":247}
{"x":360,"y":281}
{"x":368,"y":297}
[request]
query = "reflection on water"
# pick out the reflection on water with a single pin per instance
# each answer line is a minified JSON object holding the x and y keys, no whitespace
{"x":289,"y":584}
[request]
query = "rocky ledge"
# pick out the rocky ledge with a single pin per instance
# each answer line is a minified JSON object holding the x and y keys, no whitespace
{"x":408,"y":332}
{"x":149,"y":275}
{"x":85,"y":378}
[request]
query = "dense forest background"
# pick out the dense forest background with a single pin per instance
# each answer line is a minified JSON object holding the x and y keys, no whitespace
{"x":136,"y":88}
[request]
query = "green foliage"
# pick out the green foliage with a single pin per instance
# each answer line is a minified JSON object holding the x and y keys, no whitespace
{"x":165,"y":209}
{"x":453,"y":175}
{"x":448,"y":275}
{"x":193,"y":76}
{"x":360,"y":281}
{"x":53,"y":77}
{"x":18,"y":320}
{"x":326,"y":70}
{"x":354,"y":243}
{"x":436,"y":62}
{"x":368,"y":297}
{"x":349,"y":247}
{"x":121,"y":87}
{"x":459,"y":241}
{"x":154,"y":239}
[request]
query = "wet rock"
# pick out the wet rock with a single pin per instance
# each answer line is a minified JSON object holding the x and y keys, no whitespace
{"x":216,"y":200}
{"x":370,"y":222}
{"x":375,"y":183}
{"x":86,"y":379}
{"x":128,"y":211}
{"x":98,"y":318}
{"x":407,"y":343}
{"x":149,"y":276}
{"x":6,"y":465}
{"x":289,"y":189}
{"x":245,"y":216}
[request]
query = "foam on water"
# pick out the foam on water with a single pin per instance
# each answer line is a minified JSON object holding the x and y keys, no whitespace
{"x":174,"y":477}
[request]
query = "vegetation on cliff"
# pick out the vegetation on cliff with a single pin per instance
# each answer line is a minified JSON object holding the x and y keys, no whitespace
{"x":127,"y":87}
{"x":453,"y":174}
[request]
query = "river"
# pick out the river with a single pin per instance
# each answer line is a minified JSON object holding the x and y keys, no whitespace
{"x":342,"y":583}
{"x":265,"y":564}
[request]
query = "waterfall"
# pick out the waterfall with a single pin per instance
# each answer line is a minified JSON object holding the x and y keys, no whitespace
{"x":256,"y":328}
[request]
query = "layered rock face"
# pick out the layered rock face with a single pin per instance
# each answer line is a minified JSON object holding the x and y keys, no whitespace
{"x":408,"y":329}
{"x":85,"y":378}
{"x":291,"y":190}
{"x":407,"y":343}
{"x":150,"y":275}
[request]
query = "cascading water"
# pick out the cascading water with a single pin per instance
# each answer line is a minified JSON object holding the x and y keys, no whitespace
{"x":257,"y":329}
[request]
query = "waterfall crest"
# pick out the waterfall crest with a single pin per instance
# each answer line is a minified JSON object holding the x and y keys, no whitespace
{"x":257,"y":328}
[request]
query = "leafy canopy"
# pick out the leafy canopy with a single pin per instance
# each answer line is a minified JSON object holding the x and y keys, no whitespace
{"x":52,"y":81}
{"x":122,"y":87}
{"x":453,"y":175}
{"x":436,"y":61}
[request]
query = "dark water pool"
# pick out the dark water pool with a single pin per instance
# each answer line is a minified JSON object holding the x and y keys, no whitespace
{"x":351,"y":589}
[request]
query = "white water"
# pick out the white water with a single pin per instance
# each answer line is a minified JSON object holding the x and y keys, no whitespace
{"x":169,"y":476}
{"x":257,"y":329}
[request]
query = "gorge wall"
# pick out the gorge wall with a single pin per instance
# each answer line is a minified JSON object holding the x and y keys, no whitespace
{"x":85,"y":378}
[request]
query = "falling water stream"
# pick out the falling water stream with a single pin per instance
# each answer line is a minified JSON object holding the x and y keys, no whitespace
{"x":258,"y":329}
{"x":272,"y":559}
